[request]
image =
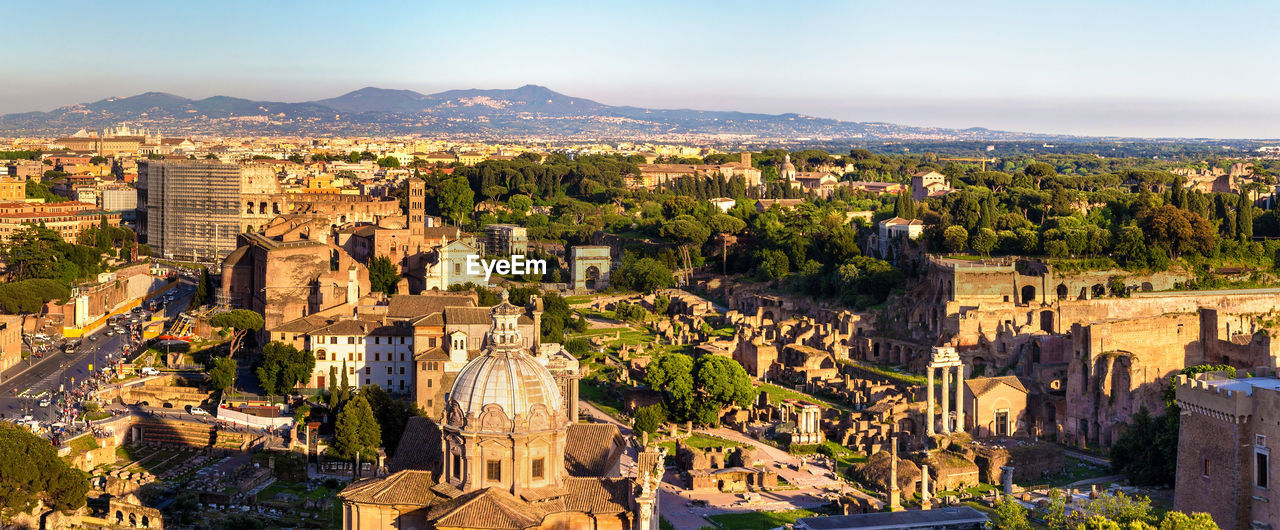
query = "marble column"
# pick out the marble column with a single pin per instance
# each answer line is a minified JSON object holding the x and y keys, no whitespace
{"x":1006,"y":479}
{"x":928,"y":392}
{"x":925,"y":503}
{"x":895,"y":496}
{"x":946,"y":401}
{"x":960,"y":398}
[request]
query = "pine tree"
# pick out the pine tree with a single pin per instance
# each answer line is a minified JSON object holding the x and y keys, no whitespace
{"x":357,"y":431}
{"x":1244,"y":217}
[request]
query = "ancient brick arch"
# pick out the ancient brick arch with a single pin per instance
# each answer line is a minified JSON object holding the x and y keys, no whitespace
{"x":1028,"y":294}
{"x":128,"y":514}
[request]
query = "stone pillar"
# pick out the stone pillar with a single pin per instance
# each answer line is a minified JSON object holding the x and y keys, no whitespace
{"x":573,"y":400}
{"x":895,"y":496}
{"x":1006,"y":479}
{"x":960,"y":397}
{"x":946,"y":401}
{"x":928,"y":392}
{"x":925,"y":503}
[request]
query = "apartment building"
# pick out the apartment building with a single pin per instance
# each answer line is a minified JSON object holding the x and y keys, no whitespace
{"x":68,"y":219}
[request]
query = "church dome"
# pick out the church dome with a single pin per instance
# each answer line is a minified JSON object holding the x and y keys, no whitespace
{"x":505,"y":374}
{"x":512,"y":380}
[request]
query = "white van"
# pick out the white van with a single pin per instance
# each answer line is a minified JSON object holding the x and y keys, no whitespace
{"x":147,"y":370}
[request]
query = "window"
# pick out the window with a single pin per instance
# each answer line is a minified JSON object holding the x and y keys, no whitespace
{"x":320,"y":355}
{"x":493,"y":471}
{"x":377,"y":340}
{"x":537,"y":468}
{"x":1205,"y":471}
{"x":367,"y":382}
{"x":333,"y":340}
{"x":431,"y":342}
{"x":377,"y":356}
{"x":368,"y":370}
{"x":422,"y":365}
{"x":430,"y":403}
{"x":401,"y":340}
{"x":402,"y":384}
{"x":351,"y":370}
{"x":1002,"y":422}
{"x":457,"y":466}
{"x":360,"y":356}
{"x":401,"y":370}
{"x":351,"y":340}
{"x":388,"y":383}
{"x":1261,"y":468}
{"x":429,"y":381}
{"x":388,"y":370}
{"x":402,"y":357}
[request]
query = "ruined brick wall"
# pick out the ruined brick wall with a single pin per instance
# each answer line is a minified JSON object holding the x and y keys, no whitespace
{"x":1224,"y":492}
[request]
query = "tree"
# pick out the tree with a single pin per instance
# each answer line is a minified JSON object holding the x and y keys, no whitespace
{"x":201,"y":296}
{"x":772,"y":264}
{"x":650,"y":418}
{"x":983,"y":241}
{"x":283,"y":366}
{"x":1182,"y":521}
{"x":1010,"y":515}
{"x":223,"y":373}
{"x":389,"y":162}
{"x":1244,"y":216}
{"x":644,"y":275}
{"x":392,"y":414}
{"x":672,"y":374}
{"x":383,"y":276}
{"x":721,"y":382}
{"x":698,"y":391}
{"x":456,"y":200}
{"x":240,"y":322}
{"x":31,"y":471}
{"x":1180,"y":230}
{"x":356,"y":433}
{"x":954,"y":238}
{"x":32,"y":252}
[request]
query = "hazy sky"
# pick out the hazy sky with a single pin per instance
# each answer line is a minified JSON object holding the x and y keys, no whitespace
{"x":1167,"y":68}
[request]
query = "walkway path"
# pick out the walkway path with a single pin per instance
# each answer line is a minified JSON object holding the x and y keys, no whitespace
{"x":1092,"y":459}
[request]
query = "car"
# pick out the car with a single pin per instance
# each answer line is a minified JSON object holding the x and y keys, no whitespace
{"x":148,"y":370}
{"x":197,"y":411}
{"x":44,"y":402}
{"x":110,"y":332}
{"x":93,"y":337}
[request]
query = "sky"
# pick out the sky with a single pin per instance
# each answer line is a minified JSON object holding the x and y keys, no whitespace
{"x":1136,"y":68}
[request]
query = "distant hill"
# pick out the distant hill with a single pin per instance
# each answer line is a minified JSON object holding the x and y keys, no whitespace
{"x":530,"y":110}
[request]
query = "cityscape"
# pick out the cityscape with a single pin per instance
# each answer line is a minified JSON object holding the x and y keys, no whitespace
{"x":283,"y":270}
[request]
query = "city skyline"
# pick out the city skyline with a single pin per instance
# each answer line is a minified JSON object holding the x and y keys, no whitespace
{"x":1084,"y":69}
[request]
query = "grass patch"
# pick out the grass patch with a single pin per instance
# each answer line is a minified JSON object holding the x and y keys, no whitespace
{"x":594,"y":392}
{"x":777,"y":394}
{"x":759,"y":520}
{"x":889,"y":372}
{"x":1075,"y":471}
{"x":83,"y":444}
{"x":699,"y":441}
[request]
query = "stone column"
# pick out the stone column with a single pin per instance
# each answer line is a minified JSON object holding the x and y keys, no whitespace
{"x":1006,"y":479}
{"x":960,"y":398}
{"x":573,"y":400}
{"x":895,"y":496}
{"x":925,"y":503}
{"x":928,"y":392}
{"x":946,"y":401}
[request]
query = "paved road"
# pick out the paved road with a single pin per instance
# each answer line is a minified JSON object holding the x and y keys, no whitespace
{"x":64,"y":370}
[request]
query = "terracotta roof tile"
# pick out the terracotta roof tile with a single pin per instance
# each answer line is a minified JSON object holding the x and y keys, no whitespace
{"x":403,"y":487}
{"x":420,"y":447}
{"x":592,"y":448}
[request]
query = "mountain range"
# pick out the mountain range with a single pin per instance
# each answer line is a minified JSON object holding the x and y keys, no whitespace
{"x":528,"y":111}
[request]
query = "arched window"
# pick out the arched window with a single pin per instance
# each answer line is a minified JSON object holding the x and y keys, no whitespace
{"x":320,"y":355}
